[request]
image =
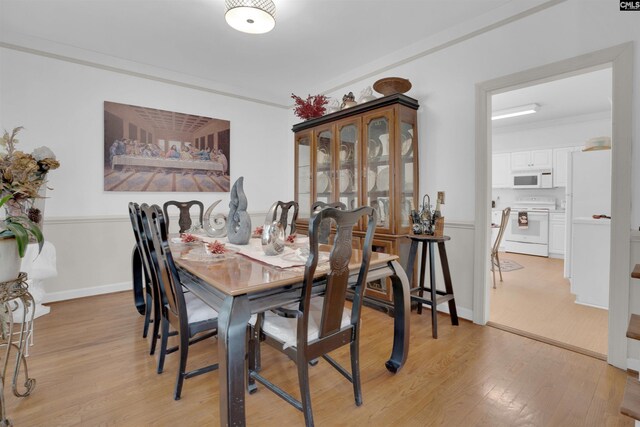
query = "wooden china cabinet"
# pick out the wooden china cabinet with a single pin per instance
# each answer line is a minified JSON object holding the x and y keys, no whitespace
{"x":364,"y":155}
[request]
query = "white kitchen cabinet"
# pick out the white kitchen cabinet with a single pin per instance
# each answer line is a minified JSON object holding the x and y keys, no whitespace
{"x":534,"y":159}
{"x":501,"y":170}
{"x":556,"y":235}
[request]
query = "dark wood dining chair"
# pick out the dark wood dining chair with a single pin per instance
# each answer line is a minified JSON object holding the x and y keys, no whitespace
{"x":184,"y":221}
{"x":281,"y":214}
{"x":191,"y":318}
{"x":325,"y":226}
{"x":321,"y":324}
{"x":144,"y":286}
{"x":495,"y":258}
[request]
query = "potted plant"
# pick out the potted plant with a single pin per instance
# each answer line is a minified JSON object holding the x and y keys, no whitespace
{"x":21,"y":177}
{"x":15,"y":232}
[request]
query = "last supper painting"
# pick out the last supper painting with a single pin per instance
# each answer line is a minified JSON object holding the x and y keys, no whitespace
{"x":146,"y":149}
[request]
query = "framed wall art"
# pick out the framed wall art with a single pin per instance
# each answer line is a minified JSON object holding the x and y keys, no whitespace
{"x":146,"y":149}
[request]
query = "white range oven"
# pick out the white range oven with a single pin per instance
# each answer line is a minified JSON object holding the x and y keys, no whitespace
{"x":531,"y":238}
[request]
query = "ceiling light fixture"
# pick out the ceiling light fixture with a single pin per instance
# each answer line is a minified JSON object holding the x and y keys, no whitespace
{"x":251,"y":16}
{"x":515,"y":111}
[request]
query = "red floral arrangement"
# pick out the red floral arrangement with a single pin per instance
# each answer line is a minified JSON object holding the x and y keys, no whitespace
{"x":311,"y":107}
{"x":291,"y":239}
{"x":258,"y":230}
{"x":216,"y":247}
{"x":188,"y":238}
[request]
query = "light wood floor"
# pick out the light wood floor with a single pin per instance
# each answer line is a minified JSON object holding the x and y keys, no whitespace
{"x":93,"y":369}
{"x":537,"y":300}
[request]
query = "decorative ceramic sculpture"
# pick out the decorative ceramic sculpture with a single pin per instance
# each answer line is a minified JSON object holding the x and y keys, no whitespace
{"x":272,"y":234}
{"x":348,"y":100}
{"x":366,"y":95}
{"x":219,"y":227}
{"x":334,"y":106}
{"x":239,"y":222}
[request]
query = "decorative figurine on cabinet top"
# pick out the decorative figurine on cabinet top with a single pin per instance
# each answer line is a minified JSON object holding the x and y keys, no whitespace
{"x":366,"y":95}
{"x":348,"y":100}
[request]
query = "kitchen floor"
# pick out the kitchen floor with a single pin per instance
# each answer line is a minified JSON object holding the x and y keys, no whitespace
{"x":536,"y":301}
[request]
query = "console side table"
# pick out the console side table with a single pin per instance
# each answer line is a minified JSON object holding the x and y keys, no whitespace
{"x":434,"y":297}
{"x":10,"y":293}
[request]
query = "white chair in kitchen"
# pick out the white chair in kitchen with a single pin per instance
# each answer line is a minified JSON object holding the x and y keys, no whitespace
{"x":495,"y":259}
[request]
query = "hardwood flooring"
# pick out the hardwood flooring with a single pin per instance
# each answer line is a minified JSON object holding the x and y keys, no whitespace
{"x":93,"y":369}
{"x":537,"y":300}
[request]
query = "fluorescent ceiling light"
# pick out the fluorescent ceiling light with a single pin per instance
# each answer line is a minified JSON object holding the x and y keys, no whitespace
{"x":515,"y":111}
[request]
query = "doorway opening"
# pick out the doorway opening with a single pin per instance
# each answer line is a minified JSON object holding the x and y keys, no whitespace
{"x":620,"y":59}
{"x":551,"y":168}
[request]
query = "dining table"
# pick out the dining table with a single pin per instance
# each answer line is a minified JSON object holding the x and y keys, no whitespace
{"x":239,"y":284}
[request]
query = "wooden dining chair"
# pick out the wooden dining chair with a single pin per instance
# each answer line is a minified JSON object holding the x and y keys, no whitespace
{"x":321,"y":324}
{"x":184,"y":221}
{"x":281,"y":214}
{"x":495,"y":258}
{"x":144,"y":283}
{"x":191,"y":318}
{"x":325,"y":226}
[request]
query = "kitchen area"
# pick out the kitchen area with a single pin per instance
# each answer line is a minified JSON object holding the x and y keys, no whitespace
{"x":565,"y":197}
{"x":552,"y":167}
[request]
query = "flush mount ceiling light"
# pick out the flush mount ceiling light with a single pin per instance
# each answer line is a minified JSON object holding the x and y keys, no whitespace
{"x":251,"y":16}
{"x":515,"y":111}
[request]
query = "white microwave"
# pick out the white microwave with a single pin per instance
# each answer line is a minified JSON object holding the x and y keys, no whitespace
{"x":533,"y":179}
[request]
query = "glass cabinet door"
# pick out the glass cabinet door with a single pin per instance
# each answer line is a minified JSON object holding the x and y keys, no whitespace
{"x":407,"y":174}
{"x":324,"y":171}
{"x":379,"y":179}
{"x":348,"y":175}
{"x":303,"y":173}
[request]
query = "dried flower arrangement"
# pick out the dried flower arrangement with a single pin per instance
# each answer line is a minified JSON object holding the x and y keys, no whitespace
{"x":22,"y":175}
{"x":216,"y":248}
{"x":188,"y":238}
{"x":291,"y":239}
{"x":258,"y":231}
{"x":310,"y":108}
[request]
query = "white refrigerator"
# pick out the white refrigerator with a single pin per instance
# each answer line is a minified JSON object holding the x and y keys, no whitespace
{"x":588,"y":240}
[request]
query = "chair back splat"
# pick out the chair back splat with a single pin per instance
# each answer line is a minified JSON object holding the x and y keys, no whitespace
{"x":184,"y":221}
{"x":325,"y":225}
{"x":283,"y":208}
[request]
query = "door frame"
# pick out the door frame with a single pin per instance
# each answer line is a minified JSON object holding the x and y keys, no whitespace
{"x":620,"y":59}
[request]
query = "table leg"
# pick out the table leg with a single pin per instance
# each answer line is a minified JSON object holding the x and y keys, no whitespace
{"x":412,"y":260}
{"x":453,"y":312}
{"x":434,"y":295}
{"x":402,"y":309}
{"x":423,"y":265}
{"x":232,"y":327}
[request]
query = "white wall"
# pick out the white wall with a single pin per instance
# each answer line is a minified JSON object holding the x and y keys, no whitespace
{"x":60,"y":104}
{"x":444,"y":84}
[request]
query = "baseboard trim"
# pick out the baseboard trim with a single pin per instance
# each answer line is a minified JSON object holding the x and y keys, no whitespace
{"x":463,"y":313}
{"x":86,"y":292}
{"x":549,"y":341}
{"x":633,"y":365}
